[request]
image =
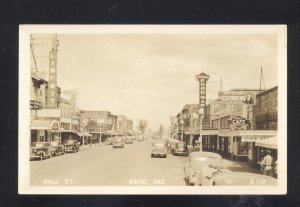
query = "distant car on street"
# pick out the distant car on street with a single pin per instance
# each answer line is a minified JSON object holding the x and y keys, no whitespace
{"x":140,"y":138}
{"x":128,"y":140}
{"x":242,"y":178}
{"x":57,"y":148}
{"x":118,"y":142}
{"x":179,"y":148}
{"x":40,"y":150}
{"x":71,"y":146}
{"x":159,"y":149}
{"x":197,"y":161}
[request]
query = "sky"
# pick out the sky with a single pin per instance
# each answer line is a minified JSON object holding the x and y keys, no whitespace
{"x":152,"y":76}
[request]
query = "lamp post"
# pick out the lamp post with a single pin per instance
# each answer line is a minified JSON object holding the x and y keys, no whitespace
{"x":201,"y":114}
{"x":181,"y":121}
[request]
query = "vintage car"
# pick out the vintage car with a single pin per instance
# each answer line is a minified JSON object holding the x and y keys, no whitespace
{"x":140,"y":138}
{"x":128,"y":140}
{"x":179,"y":148}
{"x":57,"y":148}
{"x":159,"y":149}
{"x":71,"y":146}
{"x":198,"y":160}
{"x":242,"y":178}
{"x":118,"y":142}
{"x":172,"y":145}
{"x":40,"y":150}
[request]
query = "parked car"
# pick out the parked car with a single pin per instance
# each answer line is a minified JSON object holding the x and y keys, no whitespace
{"x":57,"y":148}
{"x":71,"y":146}
{"x":180,"y":148}
{"x":172,"y":145}
{"x":128,"y":140}
{"x":242,"y":178}
{"x":118,"y":142}
{"x":198,"y":160}
{"x":140,"y":138}
{"x":40,"y":150}
{"x":208,"y":172}
{"x":159,"y":149}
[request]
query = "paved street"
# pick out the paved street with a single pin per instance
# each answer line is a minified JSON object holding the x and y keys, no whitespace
{"x":105,"y":166}
{"x":97,"y":166}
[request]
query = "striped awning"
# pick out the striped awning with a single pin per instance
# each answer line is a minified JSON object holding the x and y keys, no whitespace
{"x":270,"y":142}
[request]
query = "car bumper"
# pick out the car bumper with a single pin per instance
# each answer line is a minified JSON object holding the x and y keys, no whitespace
{"x":158,"y":154}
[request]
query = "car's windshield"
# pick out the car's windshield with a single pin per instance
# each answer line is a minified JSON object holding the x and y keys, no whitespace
{"x":70,"y":142}
{"x":37,"y":145}
{"x":158,"y":145}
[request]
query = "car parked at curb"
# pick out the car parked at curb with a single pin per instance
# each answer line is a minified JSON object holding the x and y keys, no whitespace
{"x":197,"y":161}
{"x":180,"y":148}
{"x":40,"y":150}
{"x":118,"y":142}
{"x":128,"y":140}
{"x":71,"y":146}
{"x":57,"y":148}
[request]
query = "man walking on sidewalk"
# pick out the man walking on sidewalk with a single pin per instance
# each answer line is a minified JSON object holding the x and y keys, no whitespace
{"x":267,"y":164}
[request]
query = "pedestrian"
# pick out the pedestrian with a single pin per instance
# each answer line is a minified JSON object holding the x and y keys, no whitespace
{"x":267,"y":164}
{"x":193,"y":142}
{"x":275,"y":169}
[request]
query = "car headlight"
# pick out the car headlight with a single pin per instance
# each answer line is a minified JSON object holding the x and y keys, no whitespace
{"x":35,"y":150}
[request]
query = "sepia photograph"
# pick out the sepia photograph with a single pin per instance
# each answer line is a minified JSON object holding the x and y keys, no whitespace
{"x":152,"y":109}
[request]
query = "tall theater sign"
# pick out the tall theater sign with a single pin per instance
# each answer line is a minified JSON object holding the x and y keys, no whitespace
{"x":202,"y":78}
{"x":52,"y":83}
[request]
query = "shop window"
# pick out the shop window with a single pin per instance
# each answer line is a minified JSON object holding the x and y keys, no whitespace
{"x":242,"y":148}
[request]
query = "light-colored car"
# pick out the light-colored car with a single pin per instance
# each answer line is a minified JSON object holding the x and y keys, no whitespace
{"x":242,"y":178}
{"x":118,"y":142}
{"x":159,"y":149}
{"x":140,"y":138}
{"x":57,"y":148}
{"x":128,"y":140}
{"x":40,"y":150}
{"x":197,"y":161}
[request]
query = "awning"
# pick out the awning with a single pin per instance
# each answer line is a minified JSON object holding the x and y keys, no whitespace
{"x":204,"y":132}
{"x":270,"y":142}
{"x":67,"y":131}
{"x":40,"y":125}
{"x":84,"y":135}
{"x":241,"y":133}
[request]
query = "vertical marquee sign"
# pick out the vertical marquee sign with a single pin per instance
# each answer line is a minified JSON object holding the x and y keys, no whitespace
{"x":52,"y":83}
{"x":202,"y":78}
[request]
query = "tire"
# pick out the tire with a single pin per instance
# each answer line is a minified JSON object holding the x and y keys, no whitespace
{"x":41,"y":156}
{"x":151,"y":155}
{"x":165,"y":156}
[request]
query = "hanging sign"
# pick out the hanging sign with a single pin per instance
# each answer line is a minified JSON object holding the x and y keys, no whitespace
{"x":239,"y":122}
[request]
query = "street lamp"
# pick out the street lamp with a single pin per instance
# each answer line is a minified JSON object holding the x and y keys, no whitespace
{"x":201,"y":114}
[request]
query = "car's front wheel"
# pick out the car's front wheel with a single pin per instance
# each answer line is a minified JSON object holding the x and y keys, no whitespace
{"x":41,"y":156}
